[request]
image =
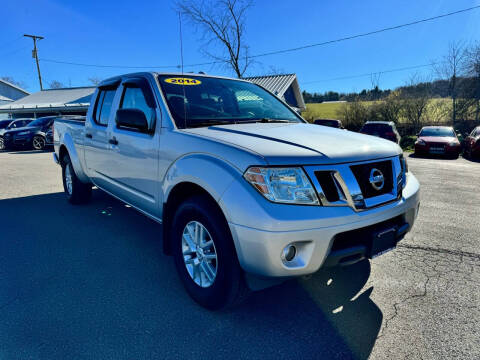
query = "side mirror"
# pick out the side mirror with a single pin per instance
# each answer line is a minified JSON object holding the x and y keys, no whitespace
{"x":132,"y":119}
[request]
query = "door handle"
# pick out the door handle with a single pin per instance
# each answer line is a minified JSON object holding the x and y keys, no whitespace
{"x":88,"y":135}
{"x":113,"y":141}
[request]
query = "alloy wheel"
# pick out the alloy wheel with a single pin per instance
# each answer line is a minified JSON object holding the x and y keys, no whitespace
{"x":68,"y":179}
{"x":38,"y":143}
{"x":199,"y":254}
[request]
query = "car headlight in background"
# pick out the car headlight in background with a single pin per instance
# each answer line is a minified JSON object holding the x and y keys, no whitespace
{"x":282,"y":185}
{"x":23,"y":133}
{"x":420,"y":142}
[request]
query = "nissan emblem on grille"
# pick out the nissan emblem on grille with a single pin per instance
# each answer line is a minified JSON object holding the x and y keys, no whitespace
{"x":376,"y":179}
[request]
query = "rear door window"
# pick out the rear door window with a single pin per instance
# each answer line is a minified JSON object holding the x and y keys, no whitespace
{"x":104,"y":106}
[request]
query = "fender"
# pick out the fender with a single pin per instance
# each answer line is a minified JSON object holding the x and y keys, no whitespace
{"x":212,"y":173}
{"x":68,"y":142}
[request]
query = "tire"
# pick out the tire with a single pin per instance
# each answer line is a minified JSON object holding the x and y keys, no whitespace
{"x":38,"y":142}
{"x":2,"y":144}
{"x":227,"y":286}
{"x":76,"y":191}
{"x":467,"y":154}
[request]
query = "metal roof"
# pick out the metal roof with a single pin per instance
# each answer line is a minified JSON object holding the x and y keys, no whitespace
{"x":14,"y":86}
{"x":4,"y":98}
{"x":277,"y":84}
{"x":52,"y":98}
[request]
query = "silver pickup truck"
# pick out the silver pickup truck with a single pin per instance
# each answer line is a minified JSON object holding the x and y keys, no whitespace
{"x":247,"y":191}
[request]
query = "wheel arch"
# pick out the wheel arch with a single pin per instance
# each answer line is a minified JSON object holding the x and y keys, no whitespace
{"x":177,"y":195}
{"x":190,"y":175}
{"x":67,"y":147}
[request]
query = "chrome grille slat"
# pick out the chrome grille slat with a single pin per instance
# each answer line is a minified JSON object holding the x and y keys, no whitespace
{"x":348,"y":188}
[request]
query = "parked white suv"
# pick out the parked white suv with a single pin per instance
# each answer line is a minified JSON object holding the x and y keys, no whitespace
{"x":248,"y":193}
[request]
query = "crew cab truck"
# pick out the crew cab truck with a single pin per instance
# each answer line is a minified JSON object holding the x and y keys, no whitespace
{"x":247,"y":191}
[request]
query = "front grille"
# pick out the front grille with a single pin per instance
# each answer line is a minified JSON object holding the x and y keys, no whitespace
{"x":327,"y":182}
{"x":362,"y":174}
{"x":439,"y":145}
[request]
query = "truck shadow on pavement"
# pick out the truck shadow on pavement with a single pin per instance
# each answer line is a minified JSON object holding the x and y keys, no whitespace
{"x":28,"y":151}
{"x":91,"y":281}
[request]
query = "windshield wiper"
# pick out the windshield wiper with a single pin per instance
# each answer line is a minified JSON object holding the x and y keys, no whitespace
{"x":265,"y":120}
{"x":209,"y":123}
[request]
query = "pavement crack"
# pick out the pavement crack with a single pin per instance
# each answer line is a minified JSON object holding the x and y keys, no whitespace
{"x":441,"y":250}
{"x":406,"y":299}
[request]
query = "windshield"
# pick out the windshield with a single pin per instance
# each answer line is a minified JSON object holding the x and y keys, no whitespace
{"x":332,"y":123}
{"x":4,"y":123}
{"x":39,"y":122}
{"x":202,"y":101}
{"x":437,"y":132}
{"x":376,"y":128}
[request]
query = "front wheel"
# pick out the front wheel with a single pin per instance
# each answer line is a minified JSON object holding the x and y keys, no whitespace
{"x":2,"y":143}
{"x":205,"y":255}
{"x":38,"y":142}
{"x":76,"y":191}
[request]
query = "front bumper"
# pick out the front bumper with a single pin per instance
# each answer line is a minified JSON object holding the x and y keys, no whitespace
{"x":18,"y":141}
{"x":447,"y":150}
{"x":312,"y":229}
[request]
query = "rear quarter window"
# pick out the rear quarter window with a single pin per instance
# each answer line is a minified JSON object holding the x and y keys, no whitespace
{"x":103,"y":106}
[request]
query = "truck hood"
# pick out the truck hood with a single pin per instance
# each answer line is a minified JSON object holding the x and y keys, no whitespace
{"x":299,"y":143}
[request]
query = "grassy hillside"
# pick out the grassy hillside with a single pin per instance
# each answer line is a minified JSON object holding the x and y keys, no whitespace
{"x":324,"y":110}
{"x":330,"y":110}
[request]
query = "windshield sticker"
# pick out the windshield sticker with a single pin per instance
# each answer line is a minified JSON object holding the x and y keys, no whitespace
{"x":183,"y":81}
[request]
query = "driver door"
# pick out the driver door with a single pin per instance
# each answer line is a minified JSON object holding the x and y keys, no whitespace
{"x":134,"y":154}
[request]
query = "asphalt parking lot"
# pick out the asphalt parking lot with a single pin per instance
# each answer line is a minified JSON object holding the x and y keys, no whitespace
{"x":90,"y":282}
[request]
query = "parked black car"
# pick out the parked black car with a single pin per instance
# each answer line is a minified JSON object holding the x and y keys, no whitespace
{"x":33,"y":135}
{"x":384,"y":129}
{"x":329,"y":122}
{"x":6,"y":125}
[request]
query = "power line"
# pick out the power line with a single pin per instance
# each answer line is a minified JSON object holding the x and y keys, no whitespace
{"x":10,"y":42}
{"x":373,"y":72}
{"x":110,"y":66}
{"x":351,"y":37}
{"x":14,"y":51}
{"x":368,"y":33}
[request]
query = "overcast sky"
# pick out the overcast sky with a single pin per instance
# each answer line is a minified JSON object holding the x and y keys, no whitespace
{"x":145,"y":33}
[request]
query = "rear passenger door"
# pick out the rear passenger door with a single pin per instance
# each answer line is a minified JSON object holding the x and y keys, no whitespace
{"x":134,"y":153}
{"x":97,"y":134}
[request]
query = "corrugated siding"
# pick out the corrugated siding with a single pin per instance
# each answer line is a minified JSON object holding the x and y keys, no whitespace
{"x":277,"y":84}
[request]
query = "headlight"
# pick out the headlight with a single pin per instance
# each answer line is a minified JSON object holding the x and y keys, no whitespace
{"x":404,"y":165}
{"x":23,"y":133}
{"x":453,"y":143}
{"x":282,"y":185}
{"x":420,"y":142}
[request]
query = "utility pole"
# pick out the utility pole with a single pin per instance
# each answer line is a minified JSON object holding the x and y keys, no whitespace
{"x":35,"y":55}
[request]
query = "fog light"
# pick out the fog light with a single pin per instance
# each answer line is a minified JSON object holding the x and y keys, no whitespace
{"x":289,"y":253}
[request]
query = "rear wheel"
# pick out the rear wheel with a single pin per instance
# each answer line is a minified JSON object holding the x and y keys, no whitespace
{"x":205,"y":256}
{"x":76,"y":191}
{"x":2,"y":143}
{"x":38,"y":142}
